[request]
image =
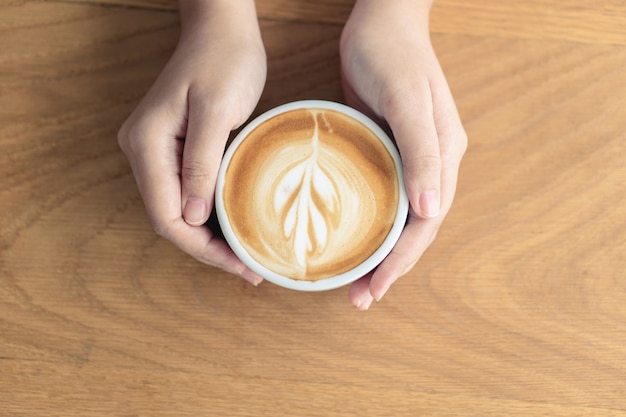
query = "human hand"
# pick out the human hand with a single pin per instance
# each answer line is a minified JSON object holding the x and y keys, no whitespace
{"x":390,"y":71}
{"x":176,"y":137}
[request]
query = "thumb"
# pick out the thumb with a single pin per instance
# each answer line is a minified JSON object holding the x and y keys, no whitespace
{"x":206,"y":138}
{"x":410,"y":116}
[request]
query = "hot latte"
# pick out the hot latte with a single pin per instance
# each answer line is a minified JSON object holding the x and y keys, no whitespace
{"x":311,"y":193}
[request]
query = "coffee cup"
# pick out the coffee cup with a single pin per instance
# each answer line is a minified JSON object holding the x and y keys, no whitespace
{"x":310,"y":195}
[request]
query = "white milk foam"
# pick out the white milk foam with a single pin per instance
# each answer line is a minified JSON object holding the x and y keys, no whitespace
{"x":309,"y":197}
{"x":308,"y":201}
{"x":319,"y":202}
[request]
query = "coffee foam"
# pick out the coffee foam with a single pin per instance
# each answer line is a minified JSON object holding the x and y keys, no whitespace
{"x":311,"y":193}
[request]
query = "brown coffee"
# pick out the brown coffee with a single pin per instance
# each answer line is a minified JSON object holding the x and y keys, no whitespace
{"x":311,"y":193}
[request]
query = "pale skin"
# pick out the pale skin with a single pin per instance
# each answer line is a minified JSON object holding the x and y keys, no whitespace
{"x":213,"y":82}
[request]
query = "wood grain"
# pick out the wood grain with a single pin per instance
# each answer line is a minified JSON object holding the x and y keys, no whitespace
{"x":571,"y":20}
{"x":517,"y":309}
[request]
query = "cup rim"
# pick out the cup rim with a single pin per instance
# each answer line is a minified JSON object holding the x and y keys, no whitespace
{"x":346,"y":277}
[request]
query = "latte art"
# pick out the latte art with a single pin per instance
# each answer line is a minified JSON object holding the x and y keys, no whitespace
{"x":311,"y":193}
{"x":307,"y":199}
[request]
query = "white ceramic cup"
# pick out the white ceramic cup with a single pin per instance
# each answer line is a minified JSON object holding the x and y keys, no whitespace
{"x":342,"y":278}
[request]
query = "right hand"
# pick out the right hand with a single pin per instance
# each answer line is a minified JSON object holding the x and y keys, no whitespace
{"x":391,"y":72}
{"x":175,"y":138}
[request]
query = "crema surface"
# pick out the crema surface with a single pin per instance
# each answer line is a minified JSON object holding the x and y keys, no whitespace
{"x":311,"y":193}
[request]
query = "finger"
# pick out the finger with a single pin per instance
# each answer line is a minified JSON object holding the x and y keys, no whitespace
{"x":416,"y":237}
{"x":204,"y":246}
{"x":452,"y":137}
{"x":161,"y":193}
{"x":156,"y":164}
{"x":359,"y":294}
{"x":207,"y":133}
{"x":409,"y":113}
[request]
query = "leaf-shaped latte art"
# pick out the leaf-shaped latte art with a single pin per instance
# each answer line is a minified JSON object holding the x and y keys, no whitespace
{"x":312,"y":194}
{"x":306,"y":199}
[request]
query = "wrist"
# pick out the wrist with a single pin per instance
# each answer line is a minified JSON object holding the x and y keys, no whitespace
{"x":415,"y":5}
{"x":198,"y":15}
{"x":373,"y":19}
{"x":418,"y":9}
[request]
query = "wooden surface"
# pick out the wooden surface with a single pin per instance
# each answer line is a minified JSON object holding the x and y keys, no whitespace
{"x":519,"y":307}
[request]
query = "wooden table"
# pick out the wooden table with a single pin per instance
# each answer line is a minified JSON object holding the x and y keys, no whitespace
{"x":518,"y":308}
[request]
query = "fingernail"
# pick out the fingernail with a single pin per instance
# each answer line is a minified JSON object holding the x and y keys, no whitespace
{"x":381,"y":295}
{"x":364,"y":302}
{"x":196,"y":211}
{"x":256,"y":280}
{"x":429,"y":203}
{"x":248,"y":274}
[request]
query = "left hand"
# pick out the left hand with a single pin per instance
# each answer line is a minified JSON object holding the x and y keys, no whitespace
{"x":390,"y":71}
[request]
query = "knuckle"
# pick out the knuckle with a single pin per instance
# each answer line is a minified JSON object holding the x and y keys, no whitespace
{"x":427,"y":163}
{"x":455,"y":145}
{"x":161,"y":228}
{"x":130,"y":139}
{"x":396,"y":100}
{"x":434,"y":233}
{"x":195,"y":171}
{"x":463,"y":142}
{"x":224,"y":108}
{"x":122,"y":138}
